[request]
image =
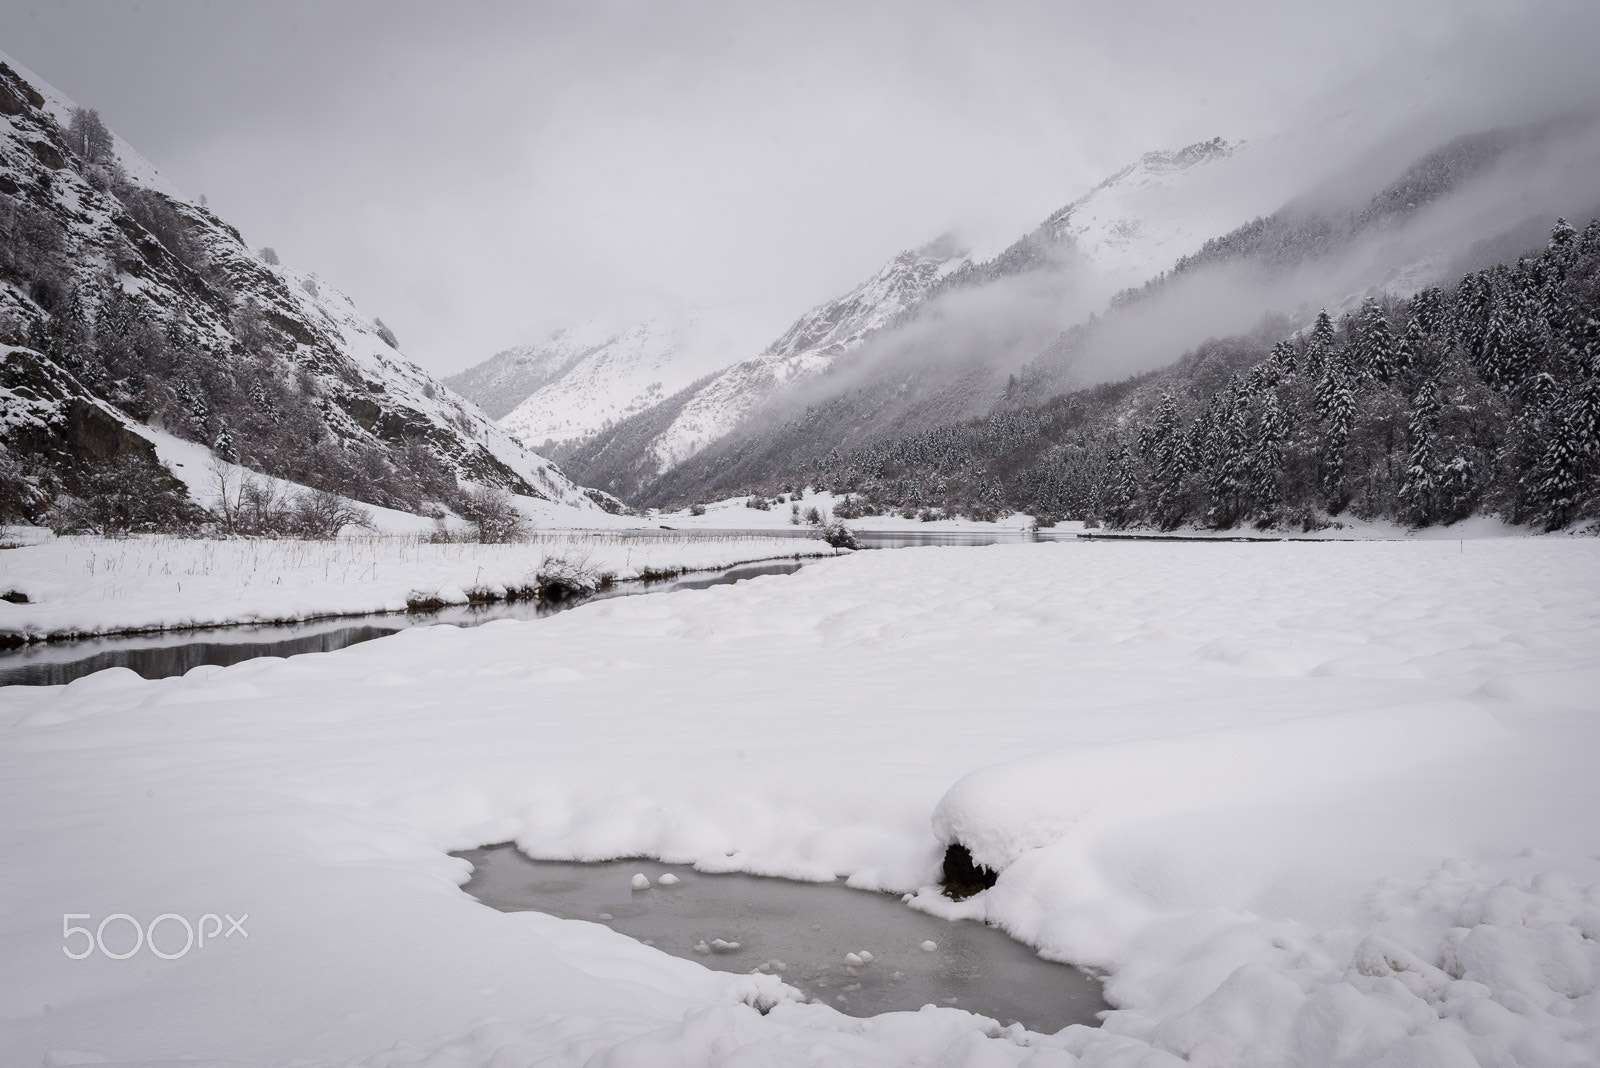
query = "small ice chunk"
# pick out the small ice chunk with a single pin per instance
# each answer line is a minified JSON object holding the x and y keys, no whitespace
{"x":866,"y":958}
{"x":605,"y":915}
{"x":930,"y":945}
{"x":668,"y":879}
{"x":701,"y":947}
{"x":853,"y":959}
{"x":722,"y":945}
{"x":641,"y":881}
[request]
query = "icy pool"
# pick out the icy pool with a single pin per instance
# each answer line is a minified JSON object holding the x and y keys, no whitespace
{"x":862,"y":952}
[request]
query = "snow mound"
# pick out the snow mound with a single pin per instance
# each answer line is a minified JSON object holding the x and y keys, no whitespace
{"x":1002,"y":812}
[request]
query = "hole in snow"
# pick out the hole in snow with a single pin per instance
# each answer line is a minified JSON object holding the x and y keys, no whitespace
{"x":822,"y":938}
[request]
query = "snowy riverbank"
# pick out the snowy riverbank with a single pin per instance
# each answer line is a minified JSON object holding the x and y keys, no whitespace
{"x":1306,"y":804}
{"x":86,"y":585}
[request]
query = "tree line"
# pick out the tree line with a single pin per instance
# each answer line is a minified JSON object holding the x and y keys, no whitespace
{"x":1480,"y":398}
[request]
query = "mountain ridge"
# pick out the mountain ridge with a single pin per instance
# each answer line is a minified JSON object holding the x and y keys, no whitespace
{"x":136,"y":300}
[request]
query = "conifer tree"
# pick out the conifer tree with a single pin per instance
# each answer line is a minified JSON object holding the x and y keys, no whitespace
{"x":1283,"y":358}
{"x":1171,"y":458}
{"x":1589,"y":240}
{"x":224,"y":446}
{"x":1318,"y":346}
{"x":1124,"y":491}
{"x":1266,"y":487}
{"x":1428,"y":311}
{"x":1378,"y":357}
{"x":1420,"y":489}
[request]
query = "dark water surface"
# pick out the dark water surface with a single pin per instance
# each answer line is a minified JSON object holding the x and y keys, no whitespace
{"x":800,"y":932}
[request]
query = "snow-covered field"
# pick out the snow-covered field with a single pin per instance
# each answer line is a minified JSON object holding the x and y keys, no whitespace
{"x":88,"y":585}
{"x":1306,"y":804}
{"x":734,"y":514}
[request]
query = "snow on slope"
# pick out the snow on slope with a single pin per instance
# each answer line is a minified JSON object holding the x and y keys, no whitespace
{"x":373,"y":393}
{"x":599,"y":377}
{"x":1131,"y":226}
{"x":1142,"y":219}
{"x":1426,"y":894}
{"x":506,"y":379}
{"x":808,"y":348}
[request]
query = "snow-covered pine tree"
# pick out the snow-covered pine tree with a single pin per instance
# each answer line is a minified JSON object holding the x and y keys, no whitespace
{"x":1560,"y":471}
{"x":1283,"y":358}
{"x":1589,"y":240}
{"x":1470,"y":318}
{"x":1336,"y":405}
{"x":1266,"y":460}
{"x":1375,"y":344}
{"x":1170,"y":460}
{"x":1427,"y":308}
{"x":1494,"y":359}
{"x":1420,"y":488}
{"x":1318,"y":346}
{"x":224,"y":446}
{"x":1123,"y":491}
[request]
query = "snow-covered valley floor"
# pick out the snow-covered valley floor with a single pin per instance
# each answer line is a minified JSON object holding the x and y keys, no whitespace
{"x":91,"y":585}
{"x":1305,"y":804}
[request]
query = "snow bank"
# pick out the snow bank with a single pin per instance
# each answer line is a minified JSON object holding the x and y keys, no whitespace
{"x":734,"y":514}
{"x":88,"y":585}
{"x":1306,"y":804}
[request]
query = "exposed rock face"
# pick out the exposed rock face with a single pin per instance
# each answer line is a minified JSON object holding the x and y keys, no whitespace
{"x":142,"y":304}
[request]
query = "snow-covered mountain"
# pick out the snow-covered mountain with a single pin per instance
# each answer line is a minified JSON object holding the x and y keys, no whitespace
{"x":506,"y":379}
{"x":809,"y":347}
{"x":1205,"y":241}
{"x":1142,"y":219}
{"x":1136,"y":223}
{"x":126,"y":304}
{"x":582,"y":379}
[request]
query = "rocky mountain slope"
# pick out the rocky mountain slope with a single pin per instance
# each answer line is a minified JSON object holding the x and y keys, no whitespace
{"x":125,"y":304}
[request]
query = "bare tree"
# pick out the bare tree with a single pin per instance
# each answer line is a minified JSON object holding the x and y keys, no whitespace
{"x":263,"y":505}
{"x":225,"y":483}
{"x":88,"y":137}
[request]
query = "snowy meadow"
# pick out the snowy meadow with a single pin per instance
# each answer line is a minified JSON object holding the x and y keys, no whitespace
{"x":1298,"y":803}
{"x":90,"y":585}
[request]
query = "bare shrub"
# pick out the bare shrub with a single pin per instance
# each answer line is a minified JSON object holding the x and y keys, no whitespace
{"x":319,"y":514}
{"x":493,"y":514}
{"x":126,"y":495}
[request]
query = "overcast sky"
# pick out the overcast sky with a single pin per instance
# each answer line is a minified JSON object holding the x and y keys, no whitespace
{"x":479,"y":174}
